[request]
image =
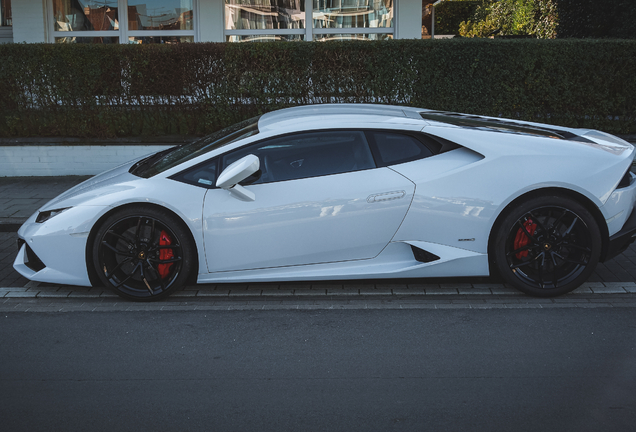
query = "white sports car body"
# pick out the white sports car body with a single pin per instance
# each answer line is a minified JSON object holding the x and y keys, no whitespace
{"x":345,"y":192}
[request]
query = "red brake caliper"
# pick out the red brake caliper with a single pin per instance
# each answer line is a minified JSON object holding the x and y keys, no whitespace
{"x":164,"y":254}
{"x":522,"y":239}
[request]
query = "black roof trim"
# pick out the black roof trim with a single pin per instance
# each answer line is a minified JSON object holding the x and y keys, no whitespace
{"x":496,"y":125}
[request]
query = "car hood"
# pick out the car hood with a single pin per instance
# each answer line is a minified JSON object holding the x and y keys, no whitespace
{"x":88,"y":192}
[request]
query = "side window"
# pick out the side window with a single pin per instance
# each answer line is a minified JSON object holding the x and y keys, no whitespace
{"x":394,"y":148}
{"x":203,"y":174}
{"x":309,"y":154}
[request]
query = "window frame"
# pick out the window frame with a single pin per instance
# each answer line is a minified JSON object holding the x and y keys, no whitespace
{"x":122,"y":33}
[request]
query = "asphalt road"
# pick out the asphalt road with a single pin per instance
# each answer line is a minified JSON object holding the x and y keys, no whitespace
{"x":560,"y":369}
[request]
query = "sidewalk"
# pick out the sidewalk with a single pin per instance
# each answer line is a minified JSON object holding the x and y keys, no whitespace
{"x":22,"y":196}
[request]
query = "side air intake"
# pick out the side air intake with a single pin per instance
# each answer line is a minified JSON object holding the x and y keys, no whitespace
{"x":423,"y":256}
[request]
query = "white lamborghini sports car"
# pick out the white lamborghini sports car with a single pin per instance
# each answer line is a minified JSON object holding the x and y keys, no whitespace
{"x":345,"y":192}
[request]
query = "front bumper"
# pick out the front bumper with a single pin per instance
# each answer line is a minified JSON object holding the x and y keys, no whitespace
{"x":55,"y":251}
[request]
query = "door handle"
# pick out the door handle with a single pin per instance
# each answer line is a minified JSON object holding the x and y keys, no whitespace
{"x":387,"y":196}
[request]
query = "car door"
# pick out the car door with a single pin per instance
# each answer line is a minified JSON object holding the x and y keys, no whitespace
{"x":319,"y":198}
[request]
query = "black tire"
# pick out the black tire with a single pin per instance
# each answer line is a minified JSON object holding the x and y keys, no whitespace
{"x":546,"y":246}
{"x":143,"y":253}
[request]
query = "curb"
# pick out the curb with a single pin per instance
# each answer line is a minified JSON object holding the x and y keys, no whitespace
{"x":10,"y":224}
{"x":322,"y":291}
{"x":50,"y":304}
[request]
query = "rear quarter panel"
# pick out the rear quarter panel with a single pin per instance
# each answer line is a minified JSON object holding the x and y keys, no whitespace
{"x":459,"y":194}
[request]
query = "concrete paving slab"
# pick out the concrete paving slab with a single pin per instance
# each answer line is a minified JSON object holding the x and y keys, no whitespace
{"x":89,"y":293}
{"x":473,"y":290}
{"x":376,"y":291}
{"x":19,"y":294}
{"x":213,"y":293}
{"x":503,"y":290}
{"x":342,"y":291}
{"x":53,"y":294}
{"x":585,"y":289}
{"x":311,"y":292}
{"x":441,"y":291}
{"x":184,"y":293}
{"x":410,"y":290}
{"x":277,"y":292}
{"x":296,"y":287}
{"x":244,"y":293}
{"x":612,"y":289}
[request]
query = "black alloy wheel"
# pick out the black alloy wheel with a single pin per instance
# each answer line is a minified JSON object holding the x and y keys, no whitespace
{"x":547,"y":246}
{"x":143,"y":253}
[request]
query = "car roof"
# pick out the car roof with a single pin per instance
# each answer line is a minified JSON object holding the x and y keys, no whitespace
{"x":317,"y":112}
{"x":310,"y":116}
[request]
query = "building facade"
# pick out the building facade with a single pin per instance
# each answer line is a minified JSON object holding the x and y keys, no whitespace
{"x":178,"y":21}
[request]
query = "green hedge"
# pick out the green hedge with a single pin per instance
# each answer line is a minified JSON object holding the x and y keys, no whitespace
{"x":597,"y":19}
{"x":193,"y":89}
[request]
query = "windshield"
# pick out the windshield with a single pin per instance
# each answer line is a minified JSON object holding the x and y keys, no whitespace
{"x":170,"y":158}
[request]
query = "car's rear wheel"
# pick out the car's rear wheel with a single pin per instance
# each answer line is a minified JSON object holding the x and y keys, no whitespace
{"x":547,"y":246}
{"x":143,"y":253}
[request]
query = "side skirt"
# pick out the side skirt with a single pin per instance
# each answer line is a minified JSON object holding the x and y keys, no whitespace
{"x":397,"y":260}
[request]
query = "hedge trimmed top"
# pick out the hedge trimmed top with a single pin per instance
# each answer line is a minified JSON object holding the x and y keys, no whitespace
{"x":194,"y":89}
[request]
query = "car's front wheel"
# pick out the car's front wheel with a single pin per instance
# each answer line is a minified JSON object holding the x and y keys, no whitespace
{"x":143,"y":253}
{"x":547,"y":246}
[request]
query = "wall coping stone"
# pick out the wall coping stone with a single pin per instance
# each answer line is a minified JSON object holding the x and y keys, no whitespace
{"x":145,"y":140}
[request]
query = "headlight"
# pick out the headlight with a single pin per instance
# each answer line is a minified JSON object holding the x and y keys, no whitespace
{"x":48,"y":214}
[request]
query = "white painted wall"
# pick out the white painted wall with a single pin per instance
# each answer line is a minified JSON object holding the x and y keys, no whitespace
{"x":6,"y":34}
{"x":211,"y":20}
{"x":22,"y":161}
{"x":28,"y":21}
{"x":409,"y":19}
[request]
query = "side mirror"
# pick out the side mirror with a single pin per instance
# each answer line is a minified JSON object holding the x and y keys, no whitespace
{"x":236,"y":172}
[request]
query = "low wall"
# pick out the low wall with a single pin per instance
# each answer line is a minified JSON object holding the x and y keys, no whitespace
{"x":56,"y":157}
{"x":67,"y":160}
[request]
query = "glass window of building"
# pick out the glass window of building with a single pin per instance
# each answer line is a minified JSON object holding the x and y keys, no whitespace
{"x":264,"y":14}
{"x":353,"y":13}
{"x":5,"y":13}
{"x":78,"y":15}
{"x":122,"y":21}
{"x":264,"y":20}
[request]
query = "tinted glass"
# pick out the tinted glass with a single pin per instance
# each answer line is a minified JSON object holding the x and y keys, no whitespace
{"x":203,"y":175}
{"x":394,"y":148}
{"x":310,"y":154}
{"x":177,"y":155}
